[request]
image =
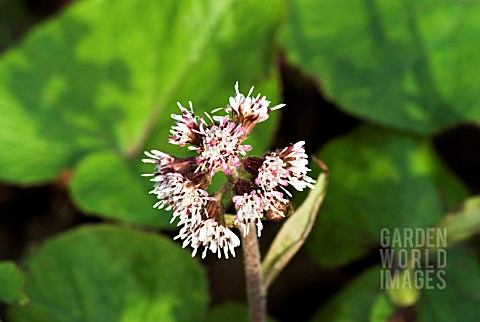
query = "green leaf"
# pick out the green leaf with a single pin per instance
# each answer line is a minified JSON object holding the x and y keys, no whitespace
{"x":460,"y":299}
{"x":106,"y":273}
{"x":12,"y":282}
{"x":230,"y":311}
{"x":382,"y":309}
{"x":364,"y":300}
{"x":462,"y":223}
{"x":406,"y":294}
{"x":353,"y":303}
{"x":105,"y":185}
{"x":96,"y":85}
{"x":105,"y":75}
{"x":404,"y":64}
{"x":294,"y":231}
{"x":382,"y":180}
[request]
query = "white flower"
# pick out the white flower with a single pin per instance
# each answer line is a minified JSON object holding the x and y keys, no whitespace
{"x":211,"y":235}
{"x":286,"y":167}
{"x":272,"y":200}
{"x":247,"y":110}
{"x":158,"y":158}
{"x":250,"y":207}
{"x":221,"y":146}
{"x":176,"y":192}
{"x":186,"y":129}
{"x":272,"y":173}
{"x":180,"y":183}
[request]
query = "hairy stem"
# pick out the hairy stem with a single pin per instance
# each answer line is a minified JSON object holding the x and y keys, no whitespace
{"x":224,"y":191}
{"x":256,"y":293}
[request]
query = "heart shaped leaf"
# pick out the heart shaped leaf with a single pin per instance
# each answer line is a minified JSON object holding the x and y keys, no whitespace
{"x":382,"y":180}
{"x":404,"y":64}
{"x":12,"y":282}
{"x":106,"y":273}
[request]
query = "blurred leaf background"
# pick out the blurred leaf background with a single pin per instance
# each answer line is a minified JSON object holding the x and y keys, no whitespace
{"x":384,"y":92}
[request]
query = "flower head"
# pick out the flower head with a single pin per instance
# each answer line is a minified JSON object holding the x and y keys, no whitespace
{"x":210,"y":235}
{"x":187,"y":201}
{"x":248,"y":110}
{"x":186,"y":129}
{"x":220,"y":147}
{"x":285,"y":167}
{"x":250,"y":208}
{"x":180,"y":183}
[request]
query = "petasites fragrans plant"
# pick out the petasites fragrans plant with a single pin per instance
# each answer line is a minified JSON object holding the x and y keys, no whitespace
{"x":259,"y":184}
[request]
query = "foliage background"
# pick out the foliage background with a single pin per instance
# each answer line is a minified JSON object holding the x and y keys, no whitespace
{"x":385,"y":92}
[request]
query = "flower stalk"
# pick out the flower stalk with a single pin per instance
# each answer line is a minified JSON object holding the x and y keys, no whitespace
{"x":256,"y":293}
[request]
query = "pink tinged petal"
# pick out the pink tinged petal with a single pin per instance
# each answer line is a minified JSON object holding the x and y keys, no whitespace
{"x":236,"y":161}
{"x":262,"y":118}
{"x":240,"y":131}
{"x":226,"y":169}
{"x":224,"y":121}
{"x":230,"y":126}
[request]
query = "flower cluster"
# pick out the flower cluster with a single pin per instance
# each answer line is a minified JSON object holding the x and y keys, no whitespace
{"x":259,"y":183}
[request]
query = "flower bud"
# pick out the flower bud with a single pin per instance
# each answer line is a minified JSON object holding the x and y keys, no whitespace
{"x":252,"y":164}
{"x":280,"y":212}
{"x":214,"y":210}
{"x":242,"y":186}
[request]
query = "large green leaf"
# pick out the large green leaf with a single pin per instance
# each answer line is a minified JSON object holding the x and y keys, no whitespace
{"x":106,"y":74}
{"x":364,"y":300}
{"x":104,"y":77}
{"x":230,"y":311}
{"x":105,"y":273}
{"x":378,"y":180}
{"x":352,"y":304}
{"x":406,"y":64}
{"x":105,"y":185}
{"x":460,"y":299}
{"x":12,"y":281}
